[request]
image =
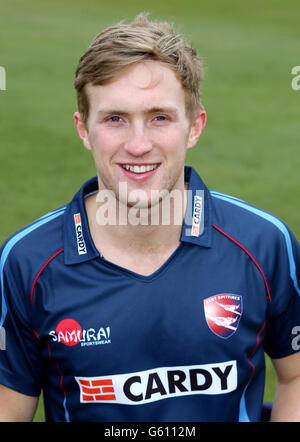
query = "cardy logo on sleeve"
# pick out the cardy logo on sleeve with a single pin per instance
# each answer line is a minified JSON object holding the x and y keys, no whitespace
{"x":159,"y":383}
{"x":197,"y":226}
{"x":81,"y":247}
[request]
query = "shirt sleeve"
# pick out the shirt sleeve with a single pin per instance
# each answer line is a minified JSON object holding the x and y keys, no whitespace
{"x":283,"y":324}
{"x":20,"y":361}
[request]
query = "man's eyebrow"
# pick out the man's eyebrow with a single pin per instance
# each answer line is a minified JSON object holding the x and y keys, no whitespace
{"x":152,"y":110}
{"x":162,"y":109}
{"x":111,"y":111}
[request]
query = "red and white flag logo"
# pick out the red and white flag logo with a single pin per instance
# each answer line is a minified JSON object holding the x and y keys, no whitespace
{"x":96,"y":390}
{"x":77,"y":218}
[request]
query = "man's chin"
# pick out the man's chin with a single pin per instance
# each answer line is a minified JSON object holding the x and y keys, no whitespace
{"x":147,"y":204}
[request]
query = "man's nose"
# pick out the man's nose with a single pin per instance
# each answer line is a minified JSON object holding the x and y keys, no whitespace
{"x":138,"y":142}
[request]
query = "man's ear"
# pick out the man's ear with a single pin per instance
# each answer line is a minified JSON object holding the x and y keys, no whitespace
{"x":82,"y":130}
{"x":196,"y":128}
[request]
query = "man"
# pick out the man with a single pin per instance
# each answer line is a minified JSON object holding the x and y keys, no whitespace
{"x":114,"y":308}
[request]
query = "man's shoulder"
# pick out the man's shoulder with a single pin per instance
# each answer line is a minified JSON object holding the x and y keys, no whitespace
{"x":35,"y":241}
{"x":246,"y":222}
{"x":262,"y":235}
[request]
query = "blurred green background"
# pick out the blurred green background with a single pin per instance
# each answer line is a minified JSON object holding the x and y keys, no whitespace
{"x":249,"y":148}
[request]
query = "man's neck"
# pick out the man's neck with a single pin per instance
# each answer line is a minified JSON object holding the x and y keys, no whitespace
{"x":155,"y":228}
{"x":143,"y":241}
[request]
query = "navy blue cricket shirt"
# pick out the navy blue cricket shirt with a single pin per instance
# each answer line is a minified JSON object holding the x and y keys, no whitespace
{"x":186,"y":343}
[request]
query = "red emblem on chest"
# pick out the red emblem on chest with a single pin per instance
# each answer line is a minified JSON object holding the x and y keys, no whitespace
{"x":223,"y":313}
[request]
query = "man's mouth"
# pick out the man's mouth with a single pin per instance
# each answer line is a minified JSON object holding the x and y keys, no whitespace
{"x":135,"y":168}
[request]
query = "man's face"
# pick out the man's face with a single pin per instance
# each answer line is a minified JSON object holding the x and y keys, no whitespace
{"x":138,"y":132}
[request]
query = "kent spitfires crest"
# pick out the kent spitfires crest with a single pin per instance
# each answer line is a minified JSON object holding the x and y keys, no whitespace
{"x":223,"y":313}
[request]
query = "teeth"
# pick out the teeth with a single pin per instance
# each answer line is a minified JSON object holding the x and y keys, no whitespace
{"x":140,"y":169}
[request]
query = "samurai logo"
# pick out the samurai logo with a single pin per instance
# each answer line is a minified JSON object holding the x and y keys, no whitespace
{"x":223,"y":313}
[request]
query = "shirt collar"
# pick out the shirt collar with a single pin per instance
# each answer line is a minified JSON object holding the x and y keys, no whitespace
{"x":196,"y":228}
{"x":197,"y":225}
{"x":78,"y":243}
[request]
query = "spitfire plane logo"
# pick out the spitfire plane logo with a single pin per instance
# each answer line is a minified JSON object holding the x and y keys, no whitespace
{"x":223,"y":313}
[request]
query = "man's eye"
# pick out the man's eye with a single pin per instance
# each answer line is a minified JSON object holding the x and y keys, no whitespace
{"x":115,"y":118}
{"x":160,"y":118}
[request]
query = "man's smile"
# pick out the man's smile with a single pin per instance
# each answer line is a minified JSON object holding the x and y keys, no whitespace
{"x":137,"y":168}
{"x":139,"y":172}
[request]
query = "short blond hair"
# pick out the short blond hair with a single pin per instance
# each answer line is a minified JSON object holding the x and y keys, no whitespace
{"x":122,"y":45}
